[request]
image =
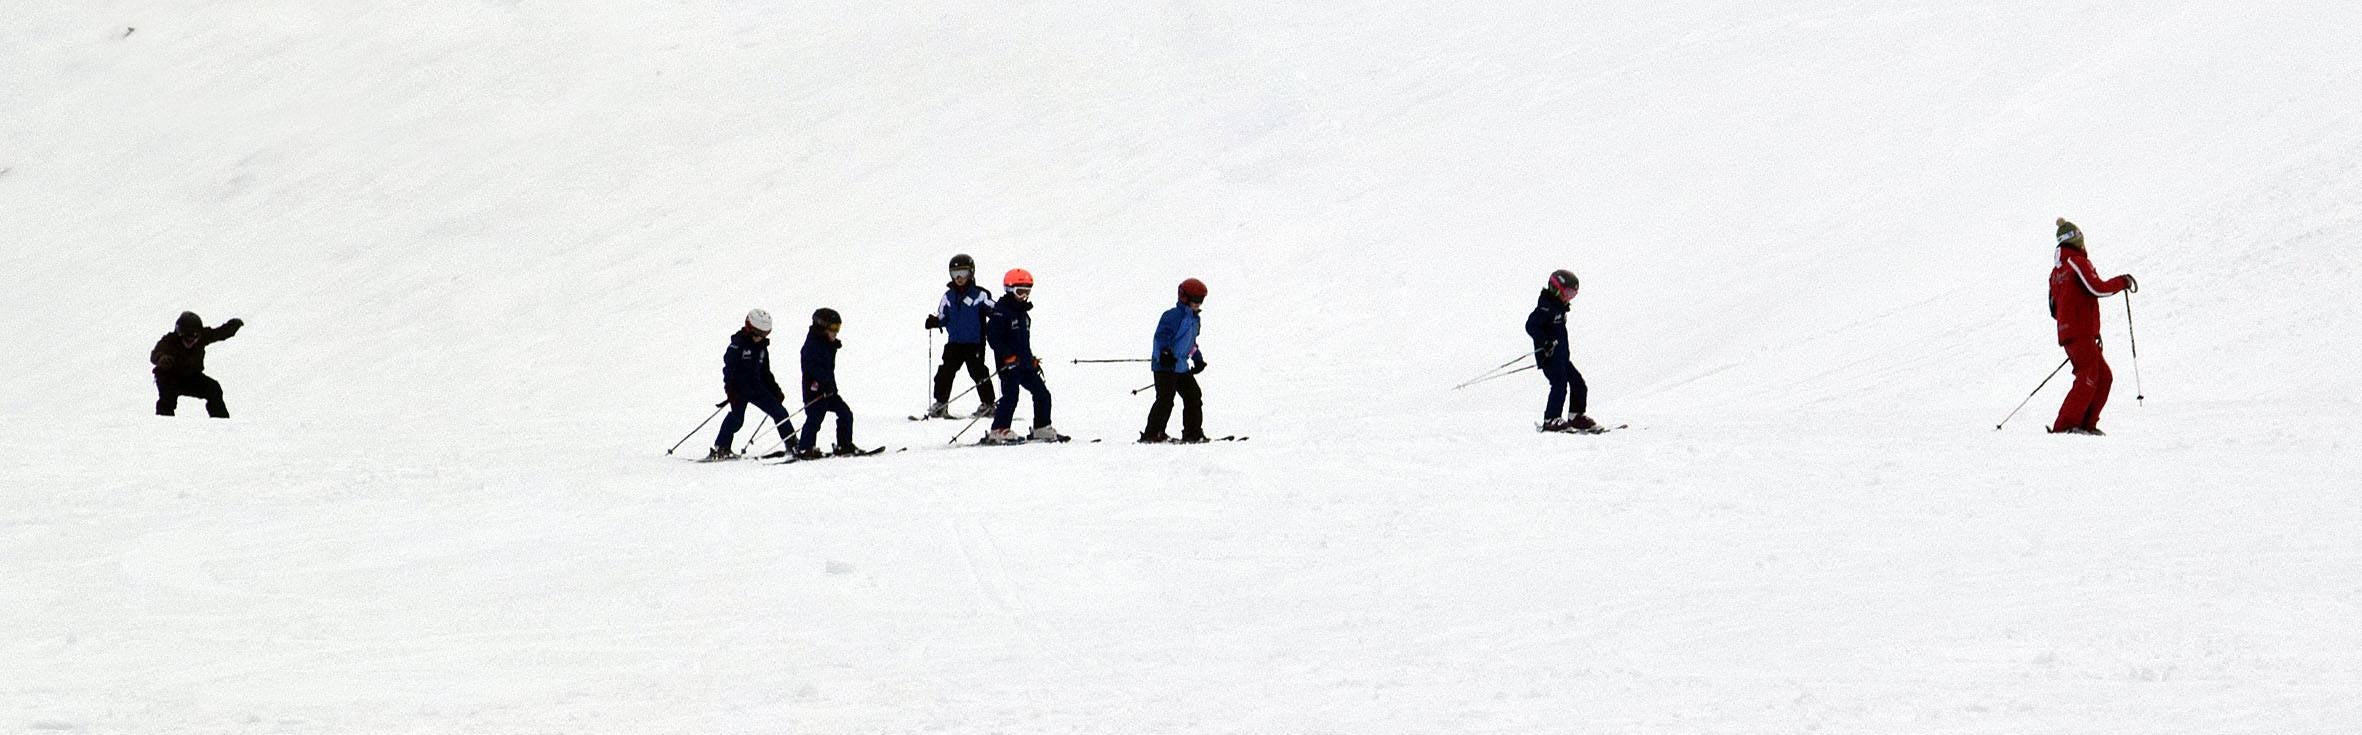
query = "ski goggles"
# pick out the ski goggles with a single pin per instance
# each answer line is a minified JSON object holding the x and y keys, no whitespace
{"x":963,"y":273}
{"x":1567,"y":293}
{"x":1022,"y":290}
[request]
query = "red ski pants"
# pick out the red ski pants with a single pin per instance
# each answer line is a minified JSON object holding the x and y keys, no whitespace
{"x":2090,"y":393}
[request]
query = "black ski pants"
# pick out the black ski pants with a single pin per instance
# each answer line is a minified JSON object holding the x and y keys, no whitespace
{"x":1029,"y":379}
{"x":765,"y":402}
{"x":955,"y":355}
{"x":820,"y":410}
{"x":1193,"y":413}
{"x":170,"y":386}
{"x":1567,"y":390}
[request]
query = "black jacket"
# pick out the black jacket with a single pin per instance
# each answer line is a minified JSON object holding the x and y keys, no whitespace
{"x":746,"y":368}
{"x":1547,"y":326}
{"x":820,"y":363}
{"x":172,"y":356}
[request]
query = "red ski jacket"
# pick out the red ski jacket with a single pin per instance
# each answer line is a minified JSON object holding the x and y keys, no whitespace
{"x":2075,"y":291}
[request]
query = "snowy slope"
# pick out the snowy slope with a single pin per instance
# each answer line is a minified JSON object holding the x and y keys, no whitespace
{"x":489,"y":253}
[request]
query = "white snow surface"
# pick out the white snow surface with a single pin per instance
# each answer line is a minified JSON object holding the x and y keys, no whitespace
{"x":489,"y":253}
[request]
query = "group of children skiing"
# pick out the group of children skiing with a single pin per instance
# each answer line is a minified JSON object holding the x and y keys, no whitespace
{"x":973,"y":321}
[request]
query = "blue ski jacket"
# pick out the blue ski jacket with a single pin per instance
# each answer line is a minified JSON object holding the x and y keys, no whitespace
{"x":962,"y":311}
{"x":746,"y":367}
{"x":820,"y":364}
{"x":1176,"y":335}
{"x":1011,"y":333}
{"x":1547,"y":326}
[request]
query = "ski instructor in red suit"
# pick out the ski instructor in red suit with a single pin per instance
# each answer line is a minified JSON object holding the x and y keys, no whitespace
{"x":2075,"y":291}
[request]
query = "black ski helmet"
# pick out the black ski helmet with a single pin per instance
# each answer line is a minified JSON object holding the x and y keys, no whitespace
{"x":1564,"y":283}
{"x":188,"y":325}
{"x":962,"y":262}
{"x":826,"y":317}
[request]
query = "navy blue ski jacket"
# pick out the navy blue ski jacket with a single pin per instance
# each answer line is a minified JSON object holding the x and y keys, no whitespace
{"x":962,"y":312}
{"x":1011,"y":332}
{"x":820,"y":364}
{"x":1176,"y":335}
{"x":1547,"y":325}
{"x":746,"y":367}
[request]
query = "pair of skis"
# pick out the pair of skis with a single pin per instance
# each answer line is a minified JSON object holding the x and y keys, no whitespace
{"x":1231,"y":438}
{"x":1597,"y":429}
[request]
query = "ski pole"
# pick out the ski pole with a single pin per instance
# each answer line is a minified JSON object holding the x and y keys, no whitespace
{"x":1488,"y":374}
{"x":2013,"y":413}
{"x":709,"y":418}
{"x":930,"y":363}
{"x":1493,"y":377}
{"x":1136,"y":391}
{"x":955,"y":438}
{"x":2139,"y":397}
{"x":1128,"y":359}
{"x":996,"y":374}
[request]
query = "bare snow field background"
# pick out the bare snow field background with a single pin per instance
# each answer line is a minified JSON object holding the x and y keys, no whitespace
{"x":489,"y":253}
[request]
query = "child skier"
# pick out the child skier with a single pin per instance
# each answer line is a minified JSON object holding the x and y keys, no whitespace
{"x":1176,"y":339}
{"x":1011,"y":335}
{"x":1547,"y":327}
{"x":179,"y":360}
{"x":2075,"y":291}
{"x":820,"y":387}
{"x":747,"y":379}
{"x":961,"y":315}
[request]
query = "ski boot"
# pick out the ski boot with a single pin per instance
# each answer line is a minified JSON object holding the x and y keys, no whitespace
{"x":982,"y":410}
{"x":1002,"y":436}
{"x":936,"y":410}
{"x":1156,"y":438}
{"x":806,"y":455}
{"x":1046,"y":433}
{"x":720,"y":453}
{"x":846,"y":450}
{"x":1194,"y":437}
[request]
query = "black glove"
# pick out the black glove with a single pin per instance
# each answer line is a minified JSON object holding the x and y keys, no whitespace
{"x":1198,"y":368}
{"x":934,"y":322}
{"x":1165,"y":361}
{"x":234,"y":323}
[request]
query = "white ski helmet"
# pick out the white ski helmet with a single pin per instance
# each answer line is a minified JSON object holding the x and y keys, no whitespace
{"x":760,"y":320}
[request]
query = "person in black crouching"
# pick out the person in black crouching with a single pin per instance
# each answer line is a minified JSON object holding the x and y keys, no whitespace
{"x":180,"y":364}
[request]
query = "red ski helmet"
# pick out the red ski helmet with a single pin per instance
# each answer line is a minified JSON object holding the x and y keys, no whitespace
{"x":1193,"y":291}
{"x":1017,"y":278}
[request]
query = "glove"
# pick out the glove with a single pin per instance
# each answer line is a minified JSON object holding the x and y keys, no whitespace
{"x":1165,"y":361}
{"x":1198,"y":368}
{"x":1008,"y":362}
{"x":234,"y":323}
{"x":934,"y":322}
{"x":2131,"y":284}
